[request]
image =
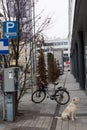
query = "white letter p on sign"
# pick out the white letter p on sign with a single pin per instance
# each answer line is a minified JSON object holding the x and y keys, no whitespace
{"x":10,"y":25}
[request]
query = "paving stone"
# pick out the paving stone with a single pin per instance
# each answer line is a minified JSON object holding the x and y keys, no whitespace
{"x":42,"y":116}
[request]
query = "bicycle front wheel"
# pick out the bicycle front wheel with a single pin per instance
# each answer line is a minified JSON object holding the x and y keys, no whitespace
{"x":62,"y":97}
{"x":38,"y":96}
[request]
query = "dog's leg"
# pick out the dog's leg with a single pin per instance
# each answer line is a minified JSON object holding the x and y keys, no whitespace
{"x":72,"y":116}
{"x":75,"y":116}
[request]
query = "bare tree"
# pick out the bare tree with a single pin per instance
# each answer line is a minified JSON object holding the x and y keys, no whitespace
{"x":21,"y":11}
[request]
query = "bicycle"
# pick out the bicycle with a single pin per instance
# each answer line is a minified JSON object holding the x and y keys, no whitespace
{"x":60,"y":95}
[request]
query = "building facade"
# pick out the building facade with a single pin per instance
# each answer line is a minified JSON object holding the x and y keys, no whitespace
{"x":71,"y":8}
{"x":59,"y":44}
{"x":79,"y":43}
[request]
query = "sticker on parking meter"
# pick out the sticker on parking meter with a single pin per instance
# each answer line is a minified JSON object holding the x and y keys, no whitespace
{"x":10,"y":75}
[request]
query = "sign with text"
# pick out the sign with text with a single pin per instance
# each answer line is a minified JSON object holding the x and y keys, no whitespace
{"x":10,"y":29}
{"x":4,"y":46}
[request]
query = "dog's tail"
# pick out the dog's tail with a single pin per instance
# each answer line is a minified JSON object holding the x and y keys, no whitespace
{"x":59,"y":118}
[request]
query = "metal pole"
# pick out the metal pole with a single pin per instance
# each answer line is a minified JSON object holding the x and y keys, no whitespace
{"x":34,"y":46}
{"x":4,"y":110}
{"x":34,"y":36}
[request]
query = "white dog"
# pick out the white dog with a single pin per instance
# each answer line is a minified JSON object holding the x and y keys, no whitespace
{"x":70,"y":111}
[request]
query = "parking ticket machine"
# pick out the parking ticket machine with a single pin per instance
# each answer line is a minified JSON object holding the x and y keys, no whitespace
{"x":10,"y":86}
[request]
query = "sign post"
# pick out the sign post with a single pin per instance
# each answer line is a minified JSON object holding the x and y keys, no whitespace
{"x":4,"y":49}
{"x":10,"y":31}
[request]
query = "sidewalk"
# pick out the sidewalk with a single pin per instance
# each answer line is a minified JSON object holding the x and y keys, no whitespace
{"x":81,"y":122}
{"x":41,"y":116}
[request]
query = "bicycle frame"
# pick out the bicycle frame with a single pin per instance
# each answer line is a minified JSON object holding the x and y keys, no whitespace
{"x":47,"y":91}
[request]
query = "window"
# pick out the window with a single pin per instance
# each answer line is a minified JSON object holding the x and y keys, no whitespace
{"x":65,"y":54}
{"x":65,"y":43}
{"x":65,"y":59}
{"x":65,"y":49}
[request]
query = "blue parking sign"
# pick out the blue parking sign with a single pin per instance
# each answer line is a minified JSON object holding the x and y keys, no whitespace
{"x":10,"y":29}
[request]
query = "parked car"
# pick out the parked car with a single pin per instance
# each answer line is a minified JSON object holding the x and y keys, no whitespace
{"x":68,"y":65}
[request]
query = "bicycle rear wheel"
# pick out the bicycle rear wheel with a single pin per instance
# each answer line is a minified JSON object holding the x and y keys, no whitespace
{"x":62,"y":97}
{"x":38,"y":96}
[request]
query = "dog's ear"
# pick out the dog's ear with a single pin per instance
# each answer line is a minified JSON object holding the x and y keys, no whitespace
{"x":73,"y":99}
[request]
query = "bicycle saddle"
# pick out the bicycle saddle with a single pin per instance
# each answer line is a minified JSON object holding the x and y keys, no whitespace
{"x":55,"y":83}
